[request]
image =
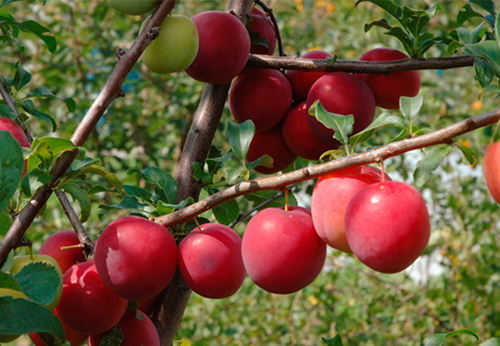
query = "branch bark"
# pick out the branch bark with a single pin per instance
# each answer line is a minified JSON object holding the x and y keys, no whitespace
{"x":445,"y":135}
{"x":357,"y":66}
{"x":109,"y":93}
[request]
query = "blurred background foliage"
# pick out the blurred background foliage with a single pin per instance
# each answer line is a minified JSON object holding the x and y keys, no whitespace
{"x":456,"y":284}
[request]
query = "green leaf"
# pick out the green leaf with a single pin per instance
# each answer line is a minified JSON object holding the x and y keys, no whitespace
{"x":470,"y":37}
{"x":44,"y":92}
{"x":29,"y":107}
{"x":384,"y":119}
{"x":137,"y":192}
{"x":44,"y":149}
{"x":42,"y":33}
{"x":239,"y":137}
{"x":40,"y":282}
{"x":163,"y":182}
{"x":487,"y":5}
{"x":381,"y":23}
{"x":387,"y":6}
{"x":258,"y":40}
{"x":127,"y":203}
{"x":226,"y":212}
{"x":484,"y":72}
{"x":429,"y":163}
{"x":438,"y":339}
{"x":80,"y":195}
{"x":469,"y":153}
{"x":21,"y":78}
{"x":415,"y":20}
{"x":260,"y":197}
{"x":336,"y":341}
{"x":404,"y":38}
{"x":10,"y":257}
{"x":468,"y":12}
{"x":7,"y":112}
{"x":21,"y":316}
{"x":11,"y":167}
{"x":33,"y":180}
{"x":103,"y":172}
{"x":410,"y":106}
{"x":264,"y":160}
{"x":8,"y":281}
{"x":341,"y":124}
{"x":489,"y":50}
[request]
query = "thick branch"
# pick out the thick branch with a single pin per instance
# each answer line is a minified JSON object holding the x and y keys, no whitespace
{"x":356,"y":66}
{"x":444,"y":135}
{"x":109,"y":93}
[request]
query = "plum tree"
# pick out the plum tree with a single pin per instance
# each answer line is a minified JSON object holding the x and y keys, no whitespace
{"x":384,"y":233}
{"x":224,"y":45}
{"x":136,"y":257}
{"x":281,"y":250}
{"x":210,"y":261}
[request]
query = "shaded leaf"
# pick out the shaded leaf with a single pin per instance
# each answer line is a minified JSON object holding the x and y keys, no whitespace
{"x":226,"y":212}
{"x":387,"y":6}
{"x":469,"y":153}
{"x":8,"y":280}
{"x":11,"y":167}
{"x":10,"y":257}
{"x":260,"y":197}
{"x":429,"y":163}
{"x":239,"y":137}
{"x":438,"y":339}
{"x":39,"y":281}
{"x":45,"y":148}
{"x":489,"y":50}
{"x":21,"y":78}
{"x":484,"y":72}
{"x":80,"y":195}
{"x":7,"y":112}
{"x":44,"y":92}
{"x":164,"y":184}
{"x":384,"y":119}
{"x":336,"y":341}
{"x":33,"y":180}
{"x":42,"y":33}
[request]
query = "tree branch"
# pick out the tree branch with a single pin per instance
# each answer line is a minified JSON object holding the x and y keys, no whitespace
{"x":109,"y":93}
{"x":358,"y":66}
{"x":445,"y":135}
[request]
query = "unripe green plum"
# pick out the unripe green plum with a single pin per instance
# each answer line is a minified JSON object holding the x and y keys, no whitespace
{"x":133,"y":7}
{"x":175,"y":48}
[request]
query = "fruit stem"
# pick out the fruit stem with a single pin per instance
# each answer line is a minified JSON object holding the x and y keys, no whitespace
{"x":286,"y":191}
{"x":197,"y":224}
{"x":381,"y":164}
{"x":69,"y":247}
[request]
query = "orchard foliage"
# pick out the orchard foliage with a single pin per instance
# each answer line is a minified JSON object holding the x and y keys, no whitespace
{"x":57,"y":58}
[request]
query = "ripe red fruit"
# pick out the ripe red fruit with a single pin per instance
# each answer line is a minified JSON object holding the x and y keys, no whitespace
{"x":261,"y":30}
{"x":281,"y":251}
{"x":87,"y":305}
{"x":65,"y":258}
{"x":210,"y":261}
{"x":491,"y":169}
{"x":224,"y":46}
{"x":330,"y":198}
{"x":387,"y":226}
{"x":148,"y":305}
{"x":72,"y":336}
{"x":299,"y":136}
{"x":136,"y":331}
{"x":388,"y":88}
{"x":263,"y":96}
{"x":136,"y":257}
{"x":302,"y":81}
{"x":270,"y":142}
{"x":341,"y":93}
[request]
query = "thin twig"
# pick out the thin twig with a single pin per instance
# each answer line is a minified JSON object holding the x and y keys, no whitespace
{"x":441,"y":136}
{"x":269,"y":12}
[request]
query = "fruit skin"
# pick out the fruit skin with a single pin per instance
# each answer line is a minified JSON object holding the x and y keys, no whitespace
{"x":136,"y":257}
{"x":23,"y":260}
{"x":299,"y":136}
{"x":281,"y":250}
{"x":65,"y":258}
{"x":72,"y":336}
{"x":302,"y":81}
{"x":223,"y":50}
{"x":263,"y":96}
{"x":210,"y":261}
{"x":387,"y":226}
{"x":87,"y":305}
{"x":262,"y":27}
{"x":491,"y":169}
{"x":18,"y":133}
{"x":341,"y":93}
{"x":388,"y":88}
{"x":272,"y":143}
{"x":133,"y":7}
{"x":135,"y":331}
{"x":175,"y":48}
{"x":330,"y":198}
